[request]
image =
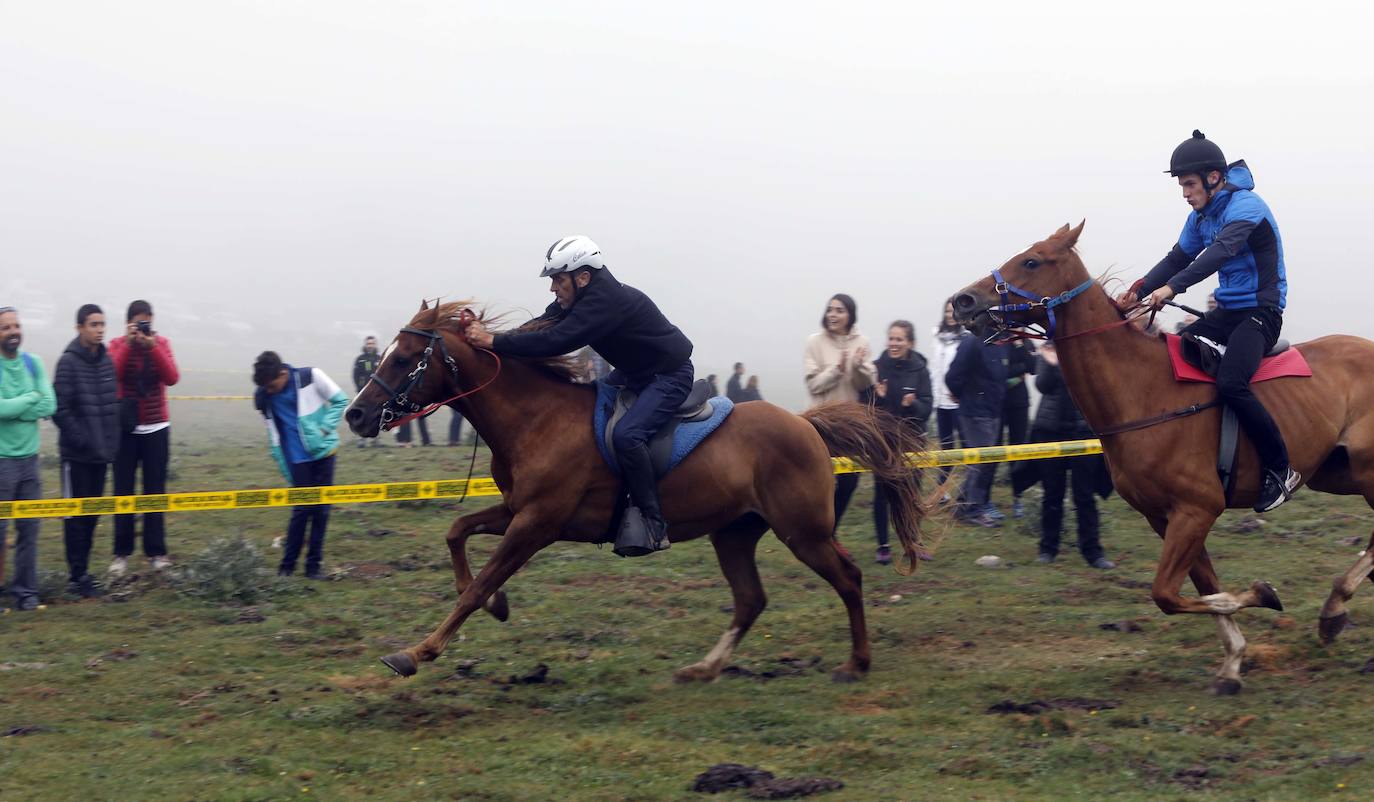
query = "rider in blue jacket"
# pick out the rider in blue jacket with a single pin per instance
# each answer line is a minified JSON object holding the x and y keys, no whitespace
{"x":1231,"y":232}
{"x":651,"y":356}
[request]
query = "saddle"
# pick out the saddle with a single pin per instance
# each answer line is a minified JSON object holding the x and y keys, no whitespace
{"x":1197,"y":359}
{"x":696,"y":418}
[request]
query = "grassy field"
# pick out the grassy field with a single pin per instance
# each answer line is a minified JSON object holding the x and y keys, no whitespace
{"x":150,"y":695}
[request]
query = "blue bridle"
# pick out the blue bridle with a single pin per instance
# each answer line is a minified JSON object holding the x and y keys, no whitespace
{"x":1000,"y":314}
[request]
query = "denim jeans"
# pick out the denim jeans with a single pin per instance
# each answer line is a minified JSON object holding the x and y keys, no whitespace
{"x":19,"y":481}
{"x":977,"y":491}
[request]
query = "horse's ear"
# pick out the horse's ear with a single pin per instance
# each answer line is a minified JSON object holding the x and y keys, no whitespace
{"x":424,"y":305}
{"x":1064,"y":229}
{"x":1072,"y":233}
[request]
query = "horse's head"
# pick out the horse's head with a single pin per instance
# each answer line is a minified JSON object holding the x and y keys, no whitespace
{"x":1026,"y":289}
{"x":418,"y":370}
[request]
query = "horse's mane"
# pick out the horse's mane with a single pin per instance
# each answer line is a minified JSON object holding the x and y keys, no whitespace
{"x":448,"y":316}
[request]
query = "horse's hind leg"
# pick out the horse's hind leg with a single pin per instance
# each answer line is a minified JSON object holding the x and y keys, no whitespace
{"x":735,"y":547}
{"x":818,"y":549}
{"x":1334,"y":616}
{"x":492,"y":521}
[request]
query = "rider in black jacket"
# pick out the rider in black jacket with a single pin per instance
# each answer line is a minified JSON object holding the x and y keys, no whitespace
{"x":651,"y":356}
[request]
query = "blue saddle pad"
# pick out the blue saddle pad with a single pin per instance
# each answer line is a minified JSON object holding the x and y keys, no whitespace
{"x":687,"y":437}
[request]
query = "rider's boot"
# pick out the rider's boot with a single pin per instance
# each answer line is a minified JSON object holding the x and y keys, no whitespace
{"x":642,"y":530}
{"x":1278,"y":488}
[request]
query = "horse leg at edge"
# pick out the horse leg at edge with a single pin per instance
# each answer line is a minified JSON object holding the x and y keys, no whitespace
{"x":735,"y":552}
{"x":492,"y":521}
{"x":523,"y":539}
{"x":818,"y":550}
{"x":1334,"y":616}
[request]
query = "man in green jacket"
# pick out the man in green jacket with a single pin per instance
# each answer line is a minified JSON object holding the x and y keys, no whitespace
{"x":25,"y":396}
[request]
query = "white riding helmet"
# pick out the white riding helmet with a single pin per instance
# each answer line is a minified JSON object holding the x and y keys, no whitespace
{"x":572,"y":253}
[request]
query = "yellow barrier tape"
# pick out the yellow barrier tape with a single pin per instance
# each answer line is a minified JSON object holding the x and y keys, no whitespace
{"x":482,"y":487}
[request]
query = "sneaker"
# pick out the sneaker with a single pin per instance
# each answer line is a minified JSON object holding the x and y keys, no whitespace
{"x":119,"y":566}
{"x":1018,"y":510}
{"x":84,"y":586}
{"x":316,"y":575}
{"x":1102,"y":564}
{"x":981,"y":519}
{"x":884,"y":555}
{"x":1045,"y":558}
{"x":992,"y":512}
{"x":1277,"y":490}
{"x":160,"y":562}
{"x":283,"y":572}
{"x":27,"y":604}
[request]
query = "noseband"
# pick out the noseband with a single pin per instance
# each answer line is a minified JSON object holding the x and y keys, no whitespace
{"x":1002,"y":314}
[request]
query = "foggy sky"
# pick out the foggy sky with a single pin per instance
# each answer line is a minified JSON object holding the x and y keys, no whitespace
{"x":292,"y":175}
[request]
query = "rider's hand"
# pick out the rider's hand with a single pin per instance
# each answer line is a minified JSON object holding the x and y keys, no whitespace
{"x":1159,"y":296}
{"x":908,"y":399}
{"x":478,"y":335}
{"x":1127,"y":298}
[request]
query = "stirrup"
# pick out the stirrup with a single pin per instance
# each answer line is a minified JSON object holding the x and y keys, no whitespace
{"x":1288,"y":484}
{"x":636,"y":537}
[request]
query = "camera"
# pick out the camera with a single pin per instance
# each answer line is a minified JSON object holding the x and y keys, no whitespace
{"x":145,"y":327}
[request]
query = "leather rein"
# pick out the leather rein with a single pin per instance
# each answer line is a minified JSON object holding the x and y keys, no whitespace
{"x":1002,"y":316}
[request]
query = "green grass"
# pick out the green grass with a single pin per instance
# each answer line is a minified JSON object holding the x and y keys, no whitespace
{"x":163,"y":697}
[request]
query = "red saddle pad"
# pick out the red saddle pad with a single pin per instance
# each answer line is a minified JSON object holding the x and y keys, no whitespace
{"x":1288,"y":363}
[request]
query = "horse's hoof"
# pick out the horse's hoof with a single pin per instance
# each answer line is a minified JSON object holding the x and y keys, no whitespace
{"x":845,"y":676}
{"x":1226,"y":687}
{"x":400,"y":662}
{"x":1329,"y":628}
{"x":1268,"y":597}
{"x":497,"y":606}
{"x":688,"y":674}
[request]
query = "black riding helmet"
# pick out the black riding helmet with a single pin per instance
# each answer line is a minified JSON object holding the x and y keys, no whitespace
{"x":1198,"y":155}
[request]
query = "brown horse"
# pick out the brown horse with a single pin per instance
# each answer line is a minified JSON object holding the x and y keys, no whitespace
{"x":1165,"y":465}
{"x":764,"y":468}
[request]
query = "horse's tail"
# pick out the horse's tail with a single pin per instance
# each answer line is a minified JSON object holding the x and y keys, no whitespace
{"x":880,"y":442}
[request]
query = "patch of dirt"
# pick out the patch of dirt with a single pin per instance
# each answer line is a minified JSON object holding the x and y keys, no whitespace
{"x":1337,"y":760}
{"x":1237,"y":726}
{"x":24,"y":729}
{"x":1038,"y":706}
{"x":727,"y":777}
{"x":370,"y":682}
{"x":782,"y":667}
{"x":794,"y":788}
{"x":116,"y":656}
{"x":539,"y":675}
{"x":368,"y":569}
{"x":1120,"y":626}
{"x":1368,"y":668}
{"x":250,"y":615}
{"x":1194,"y":777}
{"x":1269,"y":657}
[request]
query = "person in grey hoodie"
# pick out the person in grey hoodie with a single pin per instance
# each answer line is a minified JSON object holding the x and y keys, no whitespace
{"x":87,"y":418}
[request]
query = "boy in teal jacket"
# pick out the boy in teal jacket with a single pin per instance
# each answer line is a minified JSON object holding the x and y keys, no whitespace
{"x":25,"y":397}
{"x":302,"y":408}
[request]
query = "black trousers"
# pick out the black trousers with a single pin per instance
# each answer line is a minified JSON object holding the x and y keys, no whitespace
{"x":81,"y":480}
{"x":1248,"y":334}
{"x":317,"y":473}
{"x":151,"y":451}
{"x":403,"y":434}
{"x":845,"y":485}
{"x":947,"y":424}
{"x":1053,"y":473}
{"x":1016,"y":428}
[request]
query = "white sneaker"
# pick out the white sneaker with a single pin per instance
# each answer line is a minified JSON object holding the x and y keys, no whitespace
{"x":119,"y":566}
{"x":160,"y":562}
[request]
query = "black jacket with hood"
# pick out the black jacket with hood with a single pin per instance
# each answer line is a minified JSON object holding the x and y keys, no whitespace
{"x":907,"y":375}
{"x":87,"y":406}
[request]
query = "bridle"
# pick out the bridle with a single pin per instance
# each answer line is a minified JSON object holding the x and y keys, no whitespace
{"x":1002,"y":314}
{"x":400,"y":408}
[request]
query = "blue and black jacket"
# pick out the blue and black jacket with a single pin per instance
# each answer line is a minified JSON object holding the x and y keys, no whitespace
{"x":978,"y":378}
{"x":1235,"y":236}
{"x":616,"y":320}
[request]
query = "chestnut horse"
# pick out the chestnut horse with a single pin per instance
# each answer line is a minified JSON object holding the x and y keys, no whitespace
{"x":1164,"y":464}
{"x":764,"y":468}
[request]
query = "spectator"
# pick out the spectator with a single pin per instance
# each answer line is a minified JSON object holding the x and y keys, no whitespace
{"x":88,"y":419}
{"x":364,"y":366}
{"x":948,"y":335}
{"x":144,"y":369}
{"x":977,"y":380}
{"x":903,"y":389}
{"x":406,"y":438}
{"x":751,"y":390}
{"x":715,"y":386}
{"x":455,"y":428}
{"x":302,"y":408}
{"x":1058,"y":419}
{"x":733,"y":389}
{"x":25,"y":397}
{"x":837,"y":369}
{"x":1016,"y":408}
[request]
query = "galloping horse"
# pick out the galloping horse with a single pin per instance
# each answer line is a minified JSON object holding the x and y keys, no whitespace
{"x":1162,"y":456}
{"x":763,"y":468}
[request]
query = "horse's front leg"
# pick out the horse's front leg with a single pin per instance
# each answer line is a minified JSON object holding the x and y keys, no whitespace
{"x":1184,"y":555}
{"x":527,"y":534}
{"x":493,"y":521}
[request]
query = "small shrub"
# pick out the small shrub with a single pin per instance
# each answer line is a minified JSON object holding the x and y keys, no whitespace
{"x":230,"y":570}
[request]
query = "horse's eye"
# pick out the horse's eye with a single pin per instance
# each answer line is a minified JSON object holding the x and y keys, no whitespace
{"x":1031,"y":264}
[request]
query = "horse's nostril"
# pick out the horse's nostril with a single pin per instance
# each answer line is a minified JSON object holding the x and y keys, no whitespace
{"x":353,"y":415}
{"x":964,"y":302}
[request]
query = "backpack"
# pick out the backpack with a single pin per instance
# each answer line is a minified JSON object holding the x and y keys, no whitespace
{"x":28,"y":363}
